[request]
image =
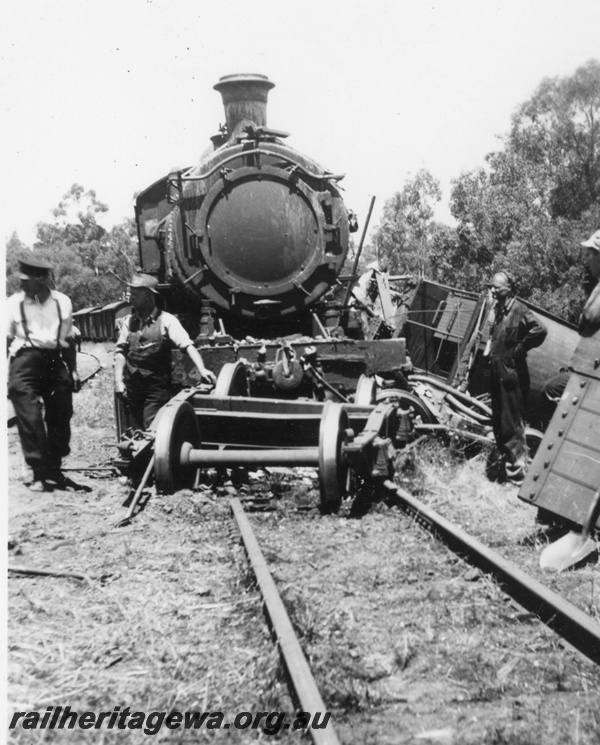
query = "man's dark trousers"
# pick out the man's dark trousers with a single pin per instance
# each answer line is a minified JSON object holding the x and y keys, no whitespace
{"x":36,"y":374}
{"x":146,"y":394}
{"x":509,"y":389}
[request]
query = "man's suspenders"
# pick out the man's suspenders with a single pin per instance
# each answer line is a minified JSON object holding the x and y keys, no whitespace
{"x":26,"y":327}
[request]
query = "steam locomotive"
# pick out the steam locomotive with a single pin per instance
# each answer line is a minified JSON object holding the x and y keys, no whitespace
{"x":248,"y":247}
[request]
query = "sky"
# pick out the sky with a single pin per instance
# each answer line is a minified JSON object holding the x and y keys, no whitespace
{"x":112,"y":94}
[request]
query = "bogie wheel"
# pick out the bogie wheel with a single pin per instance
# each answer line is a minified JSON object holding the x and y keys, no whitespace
{"x":366,"y":391}
{"x":232,"y":380}
{"x":176,"y":426}
{"x":333,"y":471}
{"x":408,"y":401}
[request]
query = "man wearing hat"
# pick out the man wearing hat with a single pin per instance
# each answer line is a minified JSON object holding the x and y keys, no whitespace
{"x":143,"y":354}
{"x":514,"y":331}
{"x":42,"y":365}
{"x":589,"y":320}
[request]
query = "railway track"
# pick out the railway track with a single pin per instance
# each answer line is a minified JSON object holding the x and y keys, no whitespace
{"x":304,"y":687}
{"x":342,"y":635}
{"x":403,"y":637}
{"x":577,"y":628}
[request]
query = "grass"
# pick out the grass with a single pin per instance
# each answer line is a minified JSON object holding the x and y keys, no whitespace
{"x":405,"y":640}
{"x":150,"y":638}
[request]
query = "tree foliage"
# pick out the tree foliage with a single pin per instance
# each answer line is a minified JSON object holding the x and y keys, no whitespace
{"x":85,"y":256}
{"x":529,"y":209}
{"x":526,"y":210}
{"x":404,"y":237}
{"x":14,"y":249}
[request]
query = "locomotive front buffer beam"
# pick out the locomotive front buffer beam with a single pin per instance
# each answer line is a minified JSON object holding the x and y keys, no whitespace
{"x":349,"y":444}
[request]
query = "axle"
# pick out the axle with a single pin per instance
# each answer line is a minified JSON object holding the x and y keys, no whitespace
{"x":291,"y":457}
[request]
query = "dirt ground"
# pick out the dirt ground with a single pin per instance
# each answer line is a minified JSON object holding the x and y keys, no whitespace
{"x":408,"y":644}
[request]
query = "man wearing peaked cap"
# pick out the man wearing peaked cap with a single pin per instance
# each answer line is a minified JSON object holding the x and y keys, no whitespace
{"x":33,"y":268}
{"x":143,"y":354}
{"x":42,"y":365}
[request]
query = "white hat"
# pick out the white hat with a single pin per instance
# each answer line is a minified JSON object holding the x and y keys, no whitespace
{"x":145,"y":281}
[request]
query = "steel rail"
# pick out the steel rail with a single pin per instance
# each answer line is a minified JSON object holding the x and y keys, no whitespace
{"x":138,"y":493}
{"x":573,"y":625}
{"x":95,"y":372}
{"x":295,"y":662}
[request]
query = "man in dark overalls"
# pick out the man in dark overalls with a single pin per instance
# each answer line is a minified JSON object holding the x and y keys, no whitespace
{"x":143,"y":354}
{"x":42,"y":370}
{"x":514,"y":331}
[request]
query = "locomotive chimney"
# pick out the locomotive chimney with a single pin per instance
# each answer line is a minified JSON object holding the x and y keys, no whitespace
{"x":244,"y":98}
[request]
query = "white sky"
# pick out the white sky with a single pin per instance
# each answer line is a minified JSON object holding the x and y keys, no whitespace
{"x":113,"y":93}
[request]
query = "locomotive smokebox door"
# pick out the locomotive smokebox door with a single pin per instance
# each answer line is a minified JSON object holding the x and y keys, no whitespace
{"x":265,"y":238}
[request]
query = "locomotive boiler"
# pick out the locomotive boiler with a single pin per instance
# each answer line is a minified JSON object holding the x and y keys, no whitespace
{"x":257,"y":230}
{"x":248,"y":246}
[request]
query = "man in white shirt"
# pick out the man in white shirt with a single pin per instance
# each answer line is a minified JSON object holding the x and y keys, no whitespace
{"x":143,"y":354}
{"x":42,"y":365}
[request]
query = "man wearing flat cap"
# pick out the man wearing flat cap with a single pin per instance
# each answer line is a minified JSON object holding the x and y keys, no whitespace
{"x":143,"y":354}
{"x":589,"y":320}
{"x":514,"y":331}
{"x":42,"y":365}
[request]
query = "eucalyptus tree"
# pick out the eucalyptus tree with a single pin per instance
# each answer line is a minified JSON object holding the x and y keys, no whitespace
{"x":534,"y":201}
{"x":85,"y":255}
{"x":404,"y":236}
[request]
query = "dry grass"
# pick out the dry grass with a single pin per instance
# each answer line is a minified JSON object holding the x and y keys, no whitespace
{"x":152,"y":636}
{"x":408,"y":643}
{"x":400,"y":631}
{"x":459,"y":489}
{"x":94,"y":432}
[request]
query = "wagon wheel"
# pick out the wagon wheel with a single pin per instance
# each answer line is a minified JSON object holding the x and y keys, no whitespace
{"x":409,"y":401}
{"x":333,"y":470}
{"x":232,"y":380}
{"x":366,"y":391}
{"x":177,"y":424}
